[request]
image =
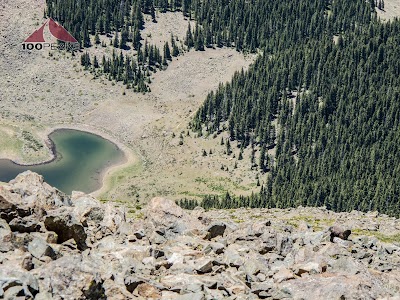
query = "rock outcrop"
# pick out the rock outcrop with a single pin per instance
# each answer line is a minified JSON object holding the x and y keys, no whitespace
{"x":54,"y":246}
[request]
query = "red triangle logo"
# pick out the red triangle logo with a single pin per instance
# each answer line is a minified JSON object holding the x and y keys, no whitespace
{"x":60,"y":33}
{"x":37,"y":36}
{"x":56,"y":30}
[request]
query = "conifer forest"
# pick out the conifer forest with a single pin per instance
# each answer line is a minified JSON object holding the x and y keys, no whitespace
{"x":323,"y":92}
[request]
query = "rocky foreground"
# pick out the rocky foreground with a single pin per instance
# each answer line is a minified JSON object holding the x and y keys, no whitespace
{"x":53,"y":246}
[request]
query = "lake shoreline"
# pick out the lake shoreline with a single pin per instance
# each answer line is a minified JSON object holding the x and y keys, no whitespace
{"x":127,"y":158}
{"x":51,"y":147}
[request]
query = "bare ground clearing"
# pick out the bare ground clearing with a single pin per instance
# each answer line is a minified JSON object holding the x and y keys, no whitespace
{"x":390,"y":11}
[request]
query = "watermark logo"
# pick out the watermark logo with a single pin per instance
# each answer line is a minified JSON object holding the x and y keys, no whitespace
{"x":36,"y":40}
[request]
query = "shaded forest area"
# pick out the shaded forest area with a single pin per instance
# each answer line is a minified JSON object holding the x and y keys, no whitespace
{"x":330,"y":79}
{"x":120,"y":22}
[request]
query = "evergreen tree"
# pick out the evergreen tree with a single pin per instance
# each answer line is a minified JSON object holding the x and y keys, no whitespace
{"x":189,"y":42}
{"x":228,"y":147}
{"x":199,"y":44}
{"x":116,"y":40}
{"x":95,"y":62}
{"x":175,"y":49}
{"x":124,"y":39}
{"x":261,"y":163}
{"x":97,"y":39}
{"x":167,"y":51}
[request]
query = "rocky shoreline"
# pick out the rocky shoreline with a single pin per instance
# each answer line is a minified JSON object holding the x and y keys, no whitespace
{"x":54,"y":246}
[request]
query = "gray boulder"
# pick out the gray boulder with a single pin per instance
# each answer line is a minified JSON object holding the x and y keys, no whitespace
{"x":165,"y":214}
{"x":339,"y":232}
{"x":17,"y":282}
{"x":11,"y":206}
{"x":72,"y":277}
{"x":39,"y":248}
{"x":132,"y":282}
{"x":6,"y":236}
{"x":214,"y":230}
{"x":204,"y":266}
{"x":64,"y":223}
{"x":26,"y":224}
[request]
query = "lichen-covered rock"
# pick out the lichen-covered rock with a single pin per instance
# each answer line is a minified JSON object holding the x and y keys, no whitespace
{"x":214,"y":230}
{"x":71,"y":277}
{"x":12,"y":276}
{"x":166,"y":217}
{"x":339,"y":232}
{"x":5,"y":231}
{"x":39,"y":248}
{"x":65,"y":224}
{"x":53,"y":247}
{"x":28,"y":190}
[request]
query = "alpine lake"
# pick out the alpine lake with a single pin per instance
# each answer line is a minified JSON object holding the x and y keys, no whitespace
{"x":79,"y":164}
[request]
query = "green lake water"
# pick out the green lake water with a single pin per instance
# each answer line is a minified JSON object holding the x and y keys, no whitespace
{"x":81,"y":158}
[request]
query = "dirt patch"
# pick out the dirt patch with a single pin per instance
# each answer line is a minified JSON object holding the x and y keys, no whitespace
{"x":390,"y":11}
{"x":167,"y":23}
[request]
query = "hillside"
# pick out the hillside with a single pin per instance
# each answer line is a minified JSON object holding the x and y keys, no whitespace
{"x":54,"y":246}
{"x":240,"y":103}
{"x":261,"y":143}
{"x":43,"y":92}
{"x":319,"y":109}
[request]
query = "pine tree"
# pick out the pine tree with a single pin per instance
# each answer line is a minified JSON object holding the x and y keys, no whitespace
{"x":261,"y":163}
{"x":163,"y":5}
{"x":136,"y":38}
{"x":153,"y":14}
{"x":175,"y":49}
{"x":97,"y":39}
{"x":199,"y":44}
{"x":208,"y":39}
{"x":124,"y":38}
{"x":85,"y":60}
{"x":95,"y":62}
{"x":167,"y":51}
{"x":85,"y":37}
{"x":151,"y":55}
{"x":189,"y":42}
{"x":116,"y":40}
{"x":228,"y":147}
